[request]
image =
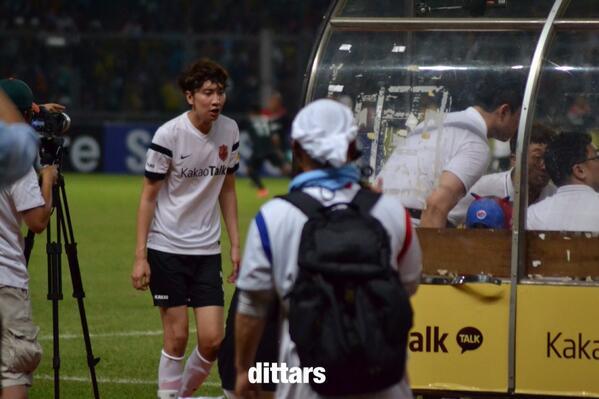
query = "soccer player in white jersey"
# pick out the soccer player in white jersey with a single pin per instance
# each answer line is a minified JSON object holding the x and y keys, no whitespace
{"x":443,"y":157}
{"x":501,"y":184}
{"x":323,"y":135}
{"x":189,"y":176}
{"x":572,"y":161}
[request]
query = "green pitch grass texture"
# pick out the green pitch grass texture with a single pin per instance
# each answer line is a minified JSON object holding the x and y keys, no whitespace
{"x":124,"y":325}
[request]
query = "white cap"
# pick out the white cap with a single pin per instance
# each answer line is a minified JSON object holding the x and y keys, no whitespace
{"x":324,"y":129}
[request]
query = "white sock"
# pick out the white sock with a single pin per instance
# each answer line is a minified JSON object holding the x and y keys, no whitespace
{"x":196,"y":370}
{"x":167,"y":394}
{"x":170,"y":372}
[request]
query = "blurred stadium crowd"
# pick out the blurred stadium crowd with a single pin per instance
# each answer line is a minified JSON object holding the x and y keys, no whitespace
{"x":120,"y":59}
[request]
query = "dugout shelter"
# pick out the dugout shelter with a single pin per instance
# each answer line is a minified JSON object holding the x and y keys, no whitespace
{"x":500,"y":312}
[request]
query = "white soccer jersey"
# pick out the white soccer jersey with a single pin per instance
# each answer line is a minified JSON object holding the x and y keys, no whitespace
{"x":498,"y":184}
{"x":22,"y":195}
{"x":574,"y":207}
{"x":270,"y":263}
{"x":194,"y":166}
{"x":456,"y":143}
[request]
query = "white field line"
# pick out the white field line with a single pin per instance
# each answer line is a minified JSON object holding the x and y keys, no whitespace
{"x":109,"y":335}
{"x":127,"y":381}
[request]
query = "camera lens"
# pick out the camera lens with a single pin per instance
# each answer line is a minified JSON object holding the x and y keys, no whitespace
{"x":63,"y":122}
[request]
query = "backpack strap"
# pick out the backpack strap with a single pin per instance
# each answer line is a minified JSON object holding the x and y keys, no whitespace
{"x":304,"y":202}
{"x":365,"y":200}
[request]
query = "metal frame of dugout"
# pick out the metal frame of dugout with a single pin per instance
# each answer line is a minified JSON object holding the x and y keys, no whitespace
{"x":505,"y":313}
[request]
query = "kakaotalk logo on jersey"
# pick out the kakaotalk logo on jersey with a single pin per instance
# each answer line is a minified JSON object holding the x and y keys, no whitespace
{"x":201,"y":172}
{"x":434,"y":340}
{"x":277,"y":373}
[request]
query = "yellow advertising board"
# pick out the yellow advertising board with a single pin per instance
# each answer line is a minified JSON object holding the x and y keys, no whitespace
{"x":460,"y":338}
{"x":557,"y":340}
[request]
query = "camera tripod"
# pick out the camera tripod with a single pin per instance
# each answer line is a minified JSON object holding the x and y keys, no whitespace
{"x":64,"y":228}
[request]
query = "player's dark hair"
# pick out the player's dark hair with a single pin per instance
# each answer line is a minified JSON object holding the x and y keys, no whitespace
{"x":563,"y":152}
{"x":494,"y":90}
{"x":201,"y":71}
{"x":540,"y":134}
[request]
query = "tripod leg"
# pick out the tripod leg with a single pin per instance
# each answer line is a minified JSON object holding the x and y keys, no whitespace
{"x":78,"y":293}
{"x":53,"y":251}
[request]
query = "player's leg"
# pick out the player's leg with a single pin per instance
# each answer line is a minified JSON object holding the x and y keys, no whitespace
{"x":210,"y":326}
{"x":207,"y":299}
{"x":167,"y":285}
{"x":226,"y":354}
{"x":175,"y":328}
{"x":254,"y":167}
{"x":267,"y":351}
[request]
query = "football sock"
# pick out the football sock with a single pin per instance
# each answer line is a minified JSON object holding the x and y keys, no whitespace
{"x":196,"y":370}
{"x":170,"y":372}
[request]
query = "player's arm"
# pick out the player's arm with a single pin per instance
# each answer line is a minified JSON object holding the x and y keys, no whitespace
{"x":228,"y":204}
{"x":442,"y":200}
{"x":37,"y":218}
{"x":249,"y":326}
{"x":140,"y":276}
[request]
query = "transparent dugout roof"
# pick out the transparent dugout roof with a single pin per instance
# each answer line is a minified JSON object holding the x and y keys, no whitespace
{"x":398,"y":73}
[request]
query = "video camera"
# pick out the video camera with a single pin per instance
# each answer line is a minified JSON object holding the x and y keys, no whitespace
{"x":51,"y":123}
{"x":52,"y":127}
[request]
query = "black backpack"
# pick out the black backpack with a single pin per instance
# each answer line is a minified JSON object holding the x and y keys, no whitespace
{"x":348,"y":311}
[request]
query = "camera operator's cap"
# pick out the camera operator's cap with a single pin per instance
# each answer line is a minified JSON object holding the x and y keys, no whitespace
{"x":325,"y":128}
{"x":486,"y":212}
{"x":19,"y":93}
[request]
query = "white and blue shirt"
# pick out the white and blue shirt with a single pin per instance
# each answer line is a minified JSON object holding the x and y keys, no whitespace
{"x":270,"y":263}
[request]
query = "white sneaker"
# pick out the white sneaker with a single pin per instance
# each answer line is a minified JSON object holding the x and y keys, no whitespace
{"x":167,"y":394}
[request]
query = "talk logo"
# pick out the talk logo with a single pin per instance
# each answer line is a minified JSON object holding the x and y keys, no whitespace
{"x":469,"y":339}
{"x":434,"y":340}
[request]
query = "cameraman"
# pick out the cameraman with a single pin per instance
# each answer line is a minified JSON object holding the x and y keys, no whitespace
{"x":20,"y":201}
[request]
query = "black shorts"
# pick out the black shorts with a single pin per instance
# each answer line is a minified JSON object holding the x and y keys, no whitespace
{"x":268,"y":348}
{"x":192,"y":280}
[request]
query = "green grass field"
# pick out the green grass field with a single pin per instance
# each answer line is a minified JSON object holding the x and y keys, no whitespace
{"x":125,"y":327}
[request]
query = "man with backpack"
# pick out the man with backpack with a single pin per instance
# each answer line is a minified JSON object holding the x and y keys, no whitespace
{"x":342,"y":261}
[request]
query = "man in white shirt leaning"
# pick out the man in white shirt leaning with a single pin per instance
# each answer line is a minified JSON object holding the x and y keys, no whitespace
{"x":445,"y":155}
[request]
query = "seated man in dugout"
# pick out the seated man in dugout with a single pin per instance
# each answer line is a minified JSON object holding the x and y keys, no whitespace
{"x":501,"y":184}
{"x":573,"y":164}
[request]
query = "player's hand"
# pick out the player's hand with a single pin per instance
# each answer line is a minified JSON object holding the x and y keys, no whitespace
{"x":49,"y":173}
{"x":244,"y":389}
{"x":140,"y":276}
{"x":53,"y":107}
{"x":235,"y":262}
